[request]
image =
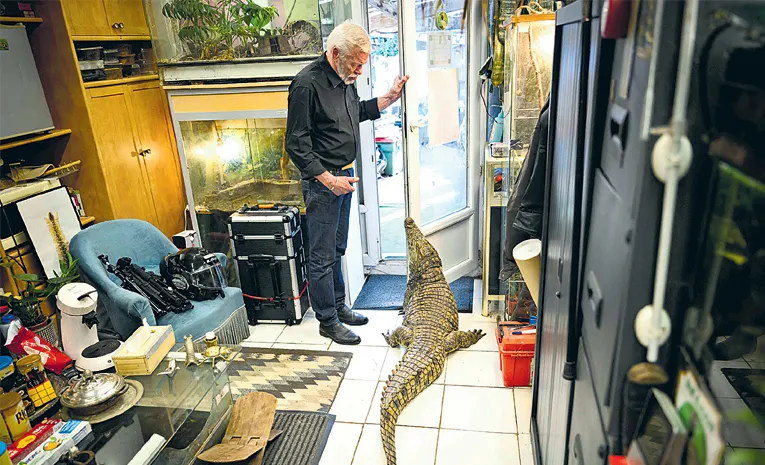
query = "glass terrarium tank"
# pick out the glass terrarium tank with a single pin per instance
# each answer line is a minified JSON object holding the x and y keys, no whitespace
{"x":232,"y":163}
{"x":187,"y":31}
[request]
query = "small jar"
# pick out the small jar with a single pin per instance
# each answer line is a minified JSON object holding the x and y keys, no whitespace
{"x":211,"y":339}
{"x":6,"y":367}
{"x":14,"y":415}
{"x":5,"y":459}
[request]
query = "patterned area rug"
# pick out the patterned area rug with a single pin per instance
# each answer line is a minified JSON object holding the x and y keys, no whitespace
{"x":300,"y":379}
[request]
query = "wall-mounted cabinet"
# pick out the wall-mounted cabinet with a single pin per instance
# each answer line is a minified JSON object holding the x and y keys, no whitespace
{"x":121,"y":129}
{"x":105,"y":18}
{"x":130,"y":124}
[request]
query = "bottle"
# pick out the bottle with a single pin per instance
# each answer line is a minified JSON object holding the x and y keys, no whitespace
{"x":5,"y":324}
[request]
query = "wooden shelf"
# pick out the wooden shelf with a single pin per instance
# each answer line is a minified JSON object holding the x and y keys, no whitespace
{"x":37,"y":138}
{"x":114,"y":38}
{"x":115,"y":82}
{"x":13,"y":19}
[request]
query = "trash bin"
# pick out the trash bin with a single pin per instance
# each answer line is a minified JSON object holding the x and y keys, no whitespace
{"x":391,"y":150}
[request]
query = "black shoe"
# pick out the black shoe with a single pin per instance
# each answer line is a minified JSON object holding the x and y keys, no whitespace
{"x":339,"y":333}
{"x":349,"y":317}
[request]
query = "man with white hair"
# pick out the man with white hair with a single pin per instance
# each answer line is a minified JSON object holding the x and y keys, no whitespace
{"x":322,"y":139}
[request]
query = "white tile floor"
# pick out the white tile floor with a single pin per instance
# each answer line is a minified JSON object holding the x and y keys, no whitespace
{"x":466,"y":405}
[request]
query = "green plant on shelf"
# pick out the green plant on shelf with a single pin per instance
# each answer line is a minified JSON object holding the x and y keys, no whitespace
{"x":33,"y":290}
{"x":196,"y":20}
{"x":225,"y":31}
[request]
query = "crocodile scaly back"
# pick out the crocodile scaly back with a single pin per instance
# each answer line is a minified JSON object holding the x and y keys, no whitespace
{"x":429,"y":332}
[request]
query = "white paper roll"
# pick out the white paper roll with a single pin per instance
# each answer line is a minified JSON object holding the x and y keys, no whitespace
{"x":526,"y":255}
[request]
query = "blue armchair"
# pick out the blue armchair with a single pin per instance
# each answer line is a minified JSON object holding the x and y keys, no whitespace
{"x":146,"y":246}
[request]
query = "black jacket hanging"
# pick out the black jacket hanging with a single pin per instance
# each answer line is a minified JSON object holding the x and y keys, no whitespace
{"x":524,"y":208}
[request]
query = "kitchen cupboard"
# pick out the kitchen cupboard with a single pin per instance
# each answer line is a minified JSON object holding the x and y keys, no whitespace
{"x":104,"y":18}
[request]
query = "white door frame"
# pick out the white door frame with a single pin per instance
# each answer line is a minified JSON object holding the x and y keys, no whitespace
{"x":460,"y":227}
{"x":464,"y":222}
{"x":369,"y":211}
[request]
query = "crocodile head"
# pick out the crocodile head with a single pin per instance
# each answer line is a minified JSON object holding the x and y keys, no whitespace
{"x":423,"y":257}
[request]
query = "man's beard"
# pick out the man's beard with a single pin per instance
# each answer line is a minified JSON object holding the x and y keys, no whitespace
{"x":344,"y":71}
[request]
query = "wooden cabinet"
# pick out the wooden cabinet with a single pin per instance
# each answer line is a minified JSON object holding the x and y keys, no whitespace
{"x":136,"y":146}
{"x":121,"y":130}
{"x":99,"y":18}
{"x":157,"y":139}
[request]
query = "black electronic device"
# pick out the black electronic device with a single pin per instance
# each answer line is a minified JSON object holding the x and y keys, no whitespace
{"x":163,"y":298}
{"x":195,"y":273}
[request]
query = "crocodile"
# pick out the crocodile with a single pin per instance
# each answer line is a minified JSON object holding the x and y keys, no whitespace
{"x":429,"y":331}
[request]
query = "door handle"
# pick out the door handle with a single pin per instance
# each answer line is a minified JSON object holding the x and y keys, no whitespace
{"x":116,"y":26}
{"x":594,"y":297}
{"x":122,"y":25}
{"x":143,"y":153}
{"x":413,"y":127}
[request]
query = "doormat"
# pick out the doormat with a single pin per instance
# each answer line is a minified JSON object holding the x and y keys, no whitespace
{"x":386,"y":292}
{"x":304,"y":380}
{"x":749,"y":384}
{"x":303,"y":439}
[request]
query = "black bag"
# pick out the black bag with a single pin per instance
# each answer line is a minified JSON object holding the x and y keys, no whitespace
{"x":267,"y":244}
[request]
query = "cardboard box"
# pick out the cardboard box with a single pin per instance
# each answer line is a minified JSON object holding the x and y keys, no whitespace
{"x":57,"y":445}
{"x":32,"y":439}
{"x":144,"y":350}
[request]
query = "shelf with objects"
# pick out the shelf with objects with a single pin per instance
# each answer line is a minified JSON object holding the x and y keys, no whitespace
{"x":201,"y":40}
{"x":526,"y":74}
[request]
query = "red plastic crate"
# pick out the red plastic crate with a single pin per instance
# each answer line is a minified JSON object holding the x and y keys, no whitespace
{"x":515,"y":354}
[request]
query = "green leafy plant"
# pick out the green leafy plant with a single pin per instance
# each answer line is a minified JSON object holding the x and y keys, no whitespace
{"x":34,"y":290}
{"x":196,"y":20}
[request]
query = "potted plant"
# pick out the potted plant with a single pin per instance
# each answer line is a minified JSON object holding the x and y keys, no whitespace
{"x":254,"y":19}
{"x":33,"y":290}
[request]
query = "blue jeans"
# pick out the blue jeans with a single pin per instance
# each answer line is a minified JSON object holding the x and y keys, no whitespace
{"x":327,"y":215}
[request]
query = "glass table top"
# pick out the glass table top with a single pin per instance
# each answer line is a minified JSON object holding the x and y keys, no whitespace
{"x":174,"y":406}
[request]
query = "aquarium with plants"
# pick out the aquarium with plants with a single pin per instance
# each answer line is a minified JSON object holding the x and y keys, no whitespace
{"x":188,"y":31}
{"x":236,"y":162}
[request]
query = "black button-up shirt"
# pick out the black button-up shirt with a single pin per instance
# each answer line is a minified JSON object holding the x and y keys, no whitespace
{"x":323,"y":116}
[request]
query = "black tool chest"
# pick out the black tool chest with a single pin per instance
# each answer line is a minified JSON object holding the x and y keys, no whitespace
{"x":267,"y":244}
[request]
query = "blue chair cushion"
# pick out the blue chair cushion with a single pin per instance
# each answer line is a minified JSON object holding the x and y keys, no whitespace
{"x":146,"y":246}
{"x":205,"y":316}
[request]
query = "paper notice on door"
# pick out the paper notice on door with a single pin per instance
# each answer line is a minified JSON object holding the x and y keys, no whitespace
{"x":439,"y":49}
{"x":443,"y":111}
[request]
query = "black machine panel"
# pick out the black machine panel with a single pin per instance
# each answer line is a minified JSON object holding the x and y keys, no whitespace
{"x":603,"y":281}
{"x":587,"y":444}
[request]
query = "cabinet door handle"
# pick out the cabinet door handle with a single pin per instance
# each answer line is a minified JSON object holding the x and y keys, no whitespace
{"x":116,"y":25}
{"x":122,"y":25}
{"x":147,"y":152}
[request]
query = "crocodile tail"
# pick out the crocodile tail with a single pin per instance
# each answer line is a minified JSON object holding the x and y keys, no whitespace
{"x":388,"y":419}
{"x":417,"y":370}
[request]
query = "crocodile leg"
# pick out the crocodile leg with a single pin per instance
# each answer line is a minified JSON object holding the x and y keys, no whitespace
{"x":401,"y":336}
{"x":462,"y":339}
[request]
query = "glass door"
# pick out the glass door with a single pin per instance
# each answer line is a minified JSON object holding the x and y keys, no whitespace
{"x":424,"y":167}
